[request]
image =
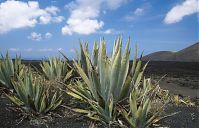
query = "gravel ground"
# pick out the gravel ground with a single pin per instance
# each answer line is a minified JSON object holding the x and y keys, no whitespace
{"x":188,"y":117}
{"x":10,"y":119}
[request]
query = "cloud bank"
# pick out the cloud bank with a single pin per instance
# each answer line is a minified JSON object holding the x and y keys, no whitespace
{"x":18,"y":14}
{"x":178,"y":12}
{"x":84,"y":15}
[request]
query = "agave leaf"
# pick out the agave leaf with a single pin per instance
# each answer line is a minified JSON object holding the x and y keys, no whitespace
{"x":84,"y":59}
{"x":78,"y":93}
{"x":133,"y":102}
{"x":138,"y":80}
{"x":152,"y":120}
{"x":83,"y":90}
{"x":68,"y":75}
{"x":30,"y":86}
{"x":75,"y":95}
{"x":96,"y":84}
{"x":3,"y":79}
{"x":128,"y":119}
{"x":38,"y":96}
{"x":95,"y":54}
{"x":110,"y":106}
{"x":15,"y":100}
{"x":117,"y":45}
{"x":138,"y":115}
{"x":19,"y":88}
{"x":82,"y":74}
{"x":137,"y":71}
{"x":55,"y":105}
{"x":123,"y":72}
{"x":42,"y":104}
{"x":85,"y":78}
{"x":6,"y":76}
{"x":104,"y":116}
{"x":143,"y":115}
{"x":115,"y":73}
{"x":132,"y":70}
{"x":102,"y":67}
{"x":84,"y":111}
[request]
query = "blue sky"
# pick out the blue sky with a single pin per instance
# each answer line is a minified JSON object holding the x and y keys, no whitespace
{"x":38,"y":29}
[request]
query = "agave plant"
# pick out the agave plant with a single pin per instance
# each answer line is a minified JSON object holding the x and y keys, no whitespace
{"x":33,"y":95}
{"x":106,"y":80}
{"x":56,"y":68}
{"x":83,"y":59}
{"x":139,"y":115}
{"x":9,"y":69}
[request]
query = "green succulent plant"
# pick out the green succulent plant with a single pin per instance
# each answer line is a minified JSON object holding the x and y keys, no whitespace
{"x":9,"y":69}
{"x":33,"y":95}
{"x":139,"y":115}
{"x":106,"y":80}
{"x":56,"y":68}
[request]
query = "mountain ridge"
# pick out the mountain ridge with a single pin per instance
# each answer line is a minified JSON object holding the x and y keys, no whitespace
{"x":188,"y":54}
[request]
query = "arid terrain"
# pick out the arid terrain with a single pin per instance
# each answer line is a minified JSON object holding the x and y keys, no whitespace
{"x":181,"y":78}
{"x":177,"y":77}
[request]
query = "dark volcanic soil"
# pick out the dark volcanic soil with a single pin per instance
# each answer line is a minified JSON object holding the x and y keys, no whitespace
{"x":188,"y":117}
{"x":181,"y":77}
{"x":67,"y":119}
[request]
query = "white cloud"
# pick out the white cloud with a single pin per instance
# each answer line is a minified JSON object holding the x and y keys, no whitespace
{"x":50,"y":49}
{"x":19,"y":14}
{"x":53,"y":10}
{"x":14,"y":49}
{"x":35,"y":36}
{"x":108,"y":31}
{"x":46,"y":50}
{"x":84,"y":15}
{"x":66,"y":30}
{"x":47,"y":19}
{"x":38,"y":36}
{"x":58,"y":19}
{"x":178,"y":12}
{"x":85,"y":27}
{"x":139,"y":11}
{"x":48,"y":35}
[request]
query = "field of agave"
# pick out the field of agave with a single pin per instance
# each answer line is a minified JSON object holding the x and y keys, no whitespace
{"x":112,"y":92}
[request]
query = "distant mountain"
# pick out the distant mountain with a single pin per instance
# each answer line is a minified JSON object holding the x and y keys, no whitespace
{"x":189,"y":54}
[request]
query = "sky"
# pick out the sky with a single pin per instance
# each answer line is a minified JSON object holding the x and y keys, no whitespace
{"x":39,"y":29}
